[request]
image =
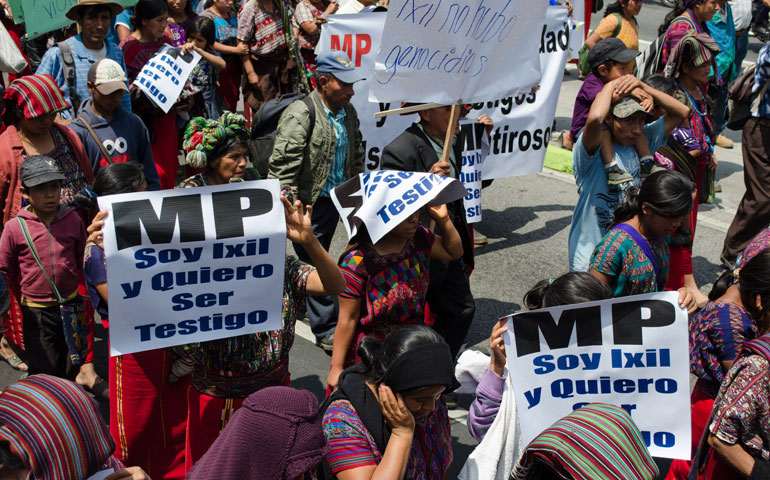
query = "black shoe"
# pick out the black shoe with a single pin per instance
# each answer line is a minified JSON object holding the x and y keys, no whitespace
{"x":760,"y":31}
{"x":326,"y":342}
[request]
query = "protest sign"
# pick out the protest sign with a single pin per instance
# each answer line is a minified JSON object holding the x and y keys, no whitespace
{"x":359,"y":36}
{"x":461,"y":51}
{"x":579,"y":28}
{"x":474,"y":152}
{"x":193,"y":265}
{"x":631,"y":352}
{"x":523,"y":122}
{"x":383,"y":199}
{"x":43,"y":16}
{"x":163,"y":77}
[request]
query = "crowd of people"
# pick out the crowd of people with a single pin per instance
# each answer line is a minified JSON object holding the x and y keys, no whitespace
{"x":76,"y":128}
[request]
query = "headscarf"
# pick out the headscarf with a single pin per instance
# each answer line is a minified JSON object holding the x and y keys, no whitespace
{"x":35,"y":96}
{"x":275,"y":435}
{"x":595,"y":442}
{"x":202,"y":136}
{"x":55,"y":429}
{"x":704,"y":48}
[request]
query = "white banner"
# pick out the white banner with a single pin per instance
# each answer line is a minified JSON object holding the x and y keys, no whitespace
{"x":359,"y":36}
{"x":192,"y":265}
{"x":631,"y":352}
{"x":163,"y":77}
{"x":522,"y":122}
{"x":383,"y":199}
{"x":461,"y":51}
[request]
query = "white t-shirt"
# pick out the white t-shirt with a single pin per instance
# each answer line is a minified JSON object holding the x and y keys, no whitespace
{"x":741,"y":13}
{"x":100,"y":54}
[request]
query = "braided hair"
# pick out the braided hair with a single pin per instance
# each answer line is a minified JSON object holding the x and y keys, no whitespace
{"x":206,"y":140}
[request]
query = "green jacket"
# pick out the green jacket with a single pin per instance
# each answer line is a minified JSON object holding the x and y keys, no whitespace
{"x":304,"y":165}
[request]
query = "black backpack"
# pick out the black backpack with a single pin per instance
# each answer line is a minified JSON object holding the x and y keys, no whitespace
{"x":68,"y":71}
{"x":742,"y":98}
{"x":649,"y":61}
{"x":264,"y":124}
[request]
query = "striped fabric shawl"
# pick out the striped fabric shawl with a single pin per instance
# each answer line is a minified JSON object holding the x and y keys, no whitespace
{"x":595,"y":442}
{"x":55,"y":428}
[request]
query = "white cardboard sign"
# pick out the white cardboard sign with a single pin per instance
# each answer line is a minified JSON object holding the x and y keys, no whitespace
{"x":631,"y":352}
{"x":464,"y":50}
{"x":381,"y":200}
{"x":192,"y":265}
{"x":163,"y":77}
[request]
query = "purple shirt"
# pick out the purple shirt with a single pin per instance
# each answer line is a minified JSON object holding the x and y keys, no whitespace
{"x":592,"y":85}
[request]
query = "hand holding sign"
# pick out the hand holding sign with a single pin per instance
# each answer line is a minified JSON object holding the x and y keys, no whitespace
{"x":442,"y":167}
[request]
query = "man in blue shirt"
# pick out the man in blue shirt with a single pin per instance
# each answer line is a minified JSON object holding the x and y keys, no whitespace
{"x":94,"y":17}
{"x":625,"y":119}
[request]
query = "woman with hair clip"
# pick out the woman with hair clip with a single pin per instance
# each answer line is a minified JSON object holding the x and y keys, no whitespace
{"x":388,"y":418}
{"x":620,"y":17}
{"x":149,"y":24}
{"x":717,"y":334}
{"x":737,"y":441}
{"x":687,"y":16}
{"x":147,"y":415}
{"x":690,"y":147}
{"x":633,"y":257}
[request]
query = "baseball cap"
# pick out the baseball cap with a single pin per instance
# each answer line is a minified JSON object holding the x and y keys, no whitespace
{"x":39,"y":169}
{"x":626,"y":107}
{"x":610,"y":49}
{"x":338,"y":64}
{"x":107,"y":76}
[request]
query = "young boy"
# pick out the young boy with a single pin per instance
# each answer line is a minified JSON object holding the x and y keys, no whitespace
{"x":59,"y":237}
{"x":609,"y":60}
{"x":120,"y":133}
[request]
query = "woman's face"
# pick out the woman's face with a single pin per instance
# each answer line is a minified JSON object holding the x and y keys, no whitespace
{"x":176,"y":6}
{"x":423,"y":402}
{"x":231,"y":165}
{"x":660,"y":225}
{"x":705,"y":11}
{"x":38,"y":125}
{"x":223,"y":5}
{"x":632,"y":7}
{"x":408,"y":227}
{"x":699,"y":74}
{"x":155,"y":27}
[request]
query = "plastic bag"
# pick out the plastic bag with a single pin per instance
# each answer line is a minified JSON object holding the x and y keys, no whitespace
{"x":11,"y":59}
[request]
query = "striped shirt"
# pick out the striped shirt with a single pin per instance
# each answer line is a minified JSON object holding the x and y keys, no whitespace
{"x":83,"y":58}
{"x":337,"y":171}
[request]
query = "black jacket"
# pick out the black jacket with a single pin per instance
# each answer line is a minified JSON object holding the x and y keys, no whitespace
{"x":412,"y":152}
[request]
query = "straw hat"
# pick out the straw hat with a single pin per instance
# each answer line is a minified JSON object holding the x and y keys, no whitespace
{"x":74,"y":12}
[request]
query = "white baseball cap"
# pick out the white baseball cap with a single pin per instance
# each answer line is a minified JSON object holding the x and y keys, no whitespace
{"x":107,"y":76}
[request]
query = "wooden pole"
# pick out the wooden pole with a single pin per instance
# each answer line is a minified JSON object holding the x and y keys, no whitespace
{"x":405,"y":110}
{"x":450,"y":133}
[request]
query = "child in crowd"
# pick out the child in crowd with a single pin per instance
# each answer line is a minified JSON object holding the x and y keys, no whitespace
{"x":41,"y":258}
{"x":609,"y":60}
{"x":180,"y":18}
{"x":108,"y":133}
{"x":202,"y":83}
{"x":387,"y":282}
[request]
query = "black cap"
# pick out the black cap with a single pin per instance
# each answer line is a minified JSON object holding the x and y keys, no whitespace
{"x":39,"y":169}
{"x":610,"y":49}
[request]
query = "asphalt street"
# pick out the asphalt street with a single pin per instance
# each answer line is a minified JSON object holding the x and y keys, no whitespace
{"x":527,"y":221}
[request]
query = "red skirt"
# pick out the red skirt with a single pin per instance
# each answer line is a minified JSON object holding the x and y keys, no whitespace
{"x":166,"y":148}
{"x":148,"y":414}
{"x":229,"y":87}
{"x":701,"y":405}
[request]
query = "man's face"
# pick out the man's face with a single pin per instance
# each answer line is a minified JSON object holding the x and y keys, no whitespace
{"x":95,"y":25}
{"x":626,"y":131}
{"x":106,"y":103}
{"x":438,"y":118}
{"x":336,"y":93}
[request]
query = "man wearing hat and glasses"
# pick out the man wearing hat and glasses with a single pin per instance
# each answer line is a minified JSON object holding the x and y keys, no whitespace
{"x":315,"y":152}
{"x":625,"y":118}
{"x":74,"y":56}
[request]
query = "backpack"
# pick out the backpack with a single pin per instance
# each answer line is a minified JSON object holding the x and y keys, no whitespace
{"x":648,"y":62}
{"x":744,"y":102}
{"x":583,"y":67}
{"x":264,"y":124}
{"x":68,"y":71}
